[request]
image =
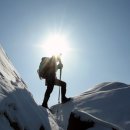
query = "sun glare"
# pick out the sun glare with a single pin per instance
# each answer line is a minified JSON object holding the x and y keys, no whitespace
{"x":56,"y":44}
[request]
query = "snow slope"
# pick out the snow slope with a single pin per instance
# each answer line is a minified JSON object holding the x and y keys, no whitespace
{"x":107,"y":104}
{"x":105,"y":107}
{"x":18,"y":110}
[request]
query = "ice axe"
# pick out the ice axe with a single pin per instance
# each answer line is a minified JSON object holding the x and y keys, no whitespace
{"x":60,"y":78}
{"x":59,"y":87}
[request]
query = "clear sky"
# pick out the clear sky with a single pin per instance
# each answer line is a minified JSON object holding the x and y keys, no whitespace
{"x":98,"y":32}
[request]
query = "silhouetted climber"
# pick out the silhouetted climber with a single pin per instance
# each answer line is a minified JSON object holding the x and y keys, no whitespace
{"x":47,"y":70}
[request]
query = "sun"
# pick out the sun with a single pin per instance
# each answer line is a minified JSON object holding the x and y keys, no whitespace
{"x":55,"y":44}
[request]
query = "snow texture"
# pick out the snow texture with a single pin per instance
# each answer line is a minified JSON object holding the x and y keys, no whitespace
{"x":97,"y":123}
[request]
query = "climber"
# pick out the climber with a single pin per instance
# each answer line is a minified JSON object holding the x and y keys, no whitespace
{"x":47,"y":70}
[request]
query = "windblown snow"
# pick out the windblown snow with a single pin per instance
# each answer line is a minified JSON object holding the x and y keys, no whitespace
{"x":105,"y":107}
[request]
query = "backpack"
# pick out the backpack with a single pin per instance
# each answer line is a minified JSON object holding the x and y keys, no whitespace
{"x":44,"y":67}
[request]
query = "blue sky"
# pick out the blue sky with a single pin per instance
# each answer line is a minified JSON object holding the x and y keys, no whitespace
{"x":97,"y":30}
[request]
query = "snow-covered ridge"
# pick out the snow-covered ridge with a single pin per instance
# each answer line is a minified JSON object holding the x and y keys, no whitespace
{"x":8,"y":72}
{"x":106,"y":104}
{"x":107,"y":86}
{"x":18,"y":110}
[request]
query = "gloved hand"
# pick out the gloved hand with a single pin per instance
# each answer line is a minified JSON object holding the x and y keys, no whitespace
{"x":60,"y":66}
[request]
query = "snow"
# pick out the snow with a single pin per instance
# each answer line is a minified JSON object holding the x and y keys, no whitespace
{"x":107,"y":101}
{"x":106,"y":104}
{"x":98,"y":122}
{"x":18,"y":110}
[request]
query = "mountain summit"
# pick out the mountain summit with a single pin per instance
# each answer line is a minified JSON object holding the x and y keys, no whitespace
{"x":105,"y":107}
